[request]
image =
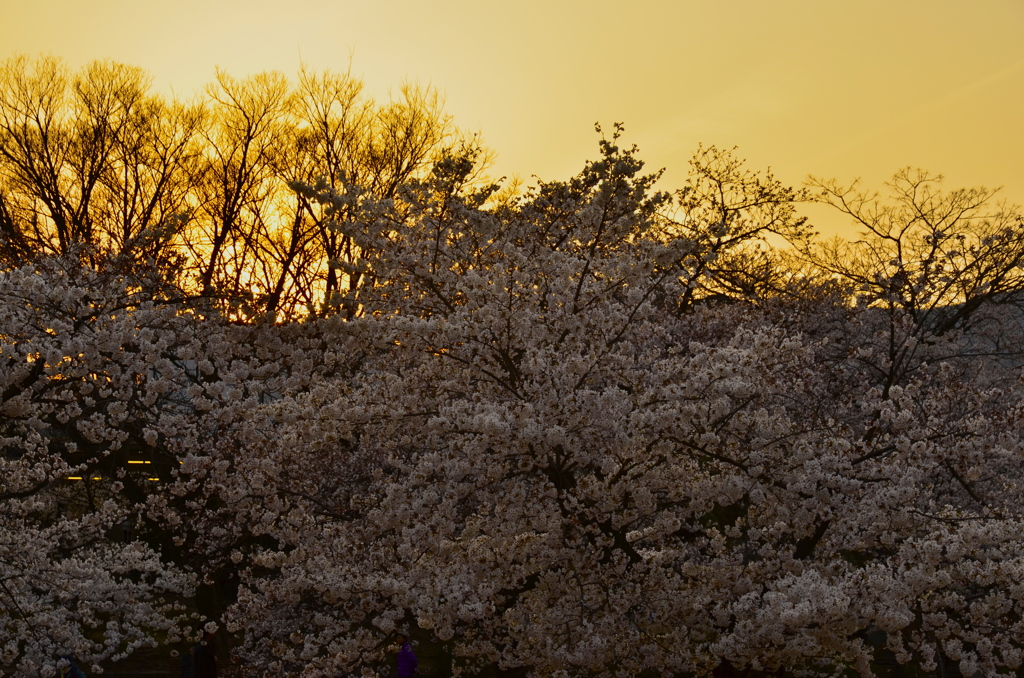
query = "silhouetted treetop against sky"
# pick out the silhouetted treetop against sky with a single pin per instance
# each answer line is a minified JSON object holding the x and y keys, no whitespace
{"x":820,"y":88}
{"x":211,"y":191}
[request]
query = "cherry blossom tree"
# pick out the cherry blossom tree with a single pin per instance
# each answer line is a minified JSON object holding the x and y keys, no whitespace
{"x":112,"y":384}
{"x":78,"y":352}
{"x":585,"y":431}
{"x":544,"y":465}
{"x":540,"y":464}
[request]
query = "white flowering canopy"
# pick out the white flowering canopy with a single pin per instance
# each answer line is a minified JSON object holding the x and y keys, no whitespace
{"x":592,"y":430}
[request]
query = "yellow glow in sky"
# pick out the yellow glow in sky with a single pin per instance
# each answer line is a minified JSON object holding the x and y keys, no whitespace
{"x":836,"y":89}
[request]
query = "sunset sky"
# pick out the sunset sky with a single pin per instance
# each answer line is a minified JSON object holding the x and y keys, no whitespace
{"x":836,"y":89}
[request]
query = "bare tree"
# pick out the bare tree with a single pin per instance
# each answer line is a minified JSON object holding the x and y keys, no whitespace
{"x":331,"y":122}
{"x":146,"y":190}
{"x":730,"y":213}
{"x":248,"y":117}
{"x":90,"y":161}
{"x":937,"y":255}
{"x":34,"y":149}
{"x":940,"y":271}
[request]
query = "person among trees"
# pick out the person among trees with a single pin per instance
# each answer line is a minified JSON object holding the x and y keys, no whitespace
{"x":204,"y":659}
{"x":407,"y":661}
{"x":188,"y":663}
{"x":71,"y":670}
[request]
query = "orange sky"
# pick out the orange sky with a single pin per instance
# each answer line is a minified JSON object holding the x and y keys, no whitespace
{"x":838,"y":89}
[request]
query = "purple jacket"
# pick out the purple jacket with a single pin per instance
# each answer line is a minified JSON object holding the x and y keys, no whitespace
{"x":407,"y":661}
